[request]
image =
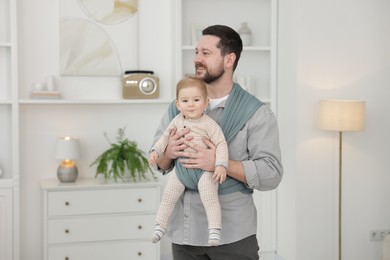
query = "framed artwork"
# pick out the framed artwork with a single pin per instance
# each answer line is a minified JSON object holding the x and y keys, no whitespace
{"x":98,"y":38}
{"x":196,"y":32}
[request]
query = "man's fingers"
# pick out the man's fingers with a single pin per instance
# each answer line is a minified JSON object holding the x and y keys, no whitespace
{"x":207,"y":142}
{"x":172,"y":131}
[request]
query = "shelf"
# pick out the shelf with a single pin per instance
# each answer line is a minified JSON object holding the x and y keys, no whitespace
{"x":258,"y":60}
{"x":5,"y":102}
{"x":265,"y":101}
{"x":9,"y":133}
{"x":246,"y":48}
{"x":6,"y":183}
{"x":5,"y":44}
{"x":91,"y":102}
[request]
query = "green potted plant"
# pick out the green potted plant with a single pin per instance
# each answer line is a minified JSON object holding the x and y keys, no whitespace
{"x":123,"y":160}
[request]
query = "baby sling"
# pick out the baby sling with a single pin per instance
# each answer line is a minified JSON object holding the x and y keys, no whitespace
{"x":239,"y":108}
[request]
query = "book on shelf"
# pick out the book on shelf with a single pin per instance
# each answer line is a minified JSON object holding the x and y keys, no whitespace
{"x":45,"y":94}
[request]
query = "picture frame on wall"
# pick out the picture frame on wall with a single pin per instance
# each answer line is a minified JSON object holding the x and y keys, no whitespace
{"x":91,"y":38}
{"x":196,"y":32}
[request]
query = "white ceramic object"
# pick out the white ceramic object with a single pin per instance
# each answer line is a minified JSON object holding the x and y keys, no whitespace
{"x":245,"y":34}
{"x":39,"y":86}
{"x":50,"y":83}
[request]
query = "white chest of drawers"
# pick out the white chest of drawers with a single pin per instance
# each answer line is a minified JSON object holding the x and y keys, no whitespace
{"x":89,"y":219}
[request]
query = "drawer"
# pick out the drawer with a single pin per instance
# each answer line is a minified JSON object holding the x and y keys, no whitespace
{"x":100,"y":228}
{"x":76,"y":202}
{"x":104,"y":251}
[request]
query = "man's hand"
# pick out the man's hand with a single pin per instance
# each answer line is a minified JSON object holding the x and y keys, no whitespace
{"x":175,"y":145}
{"x":204,"y":158}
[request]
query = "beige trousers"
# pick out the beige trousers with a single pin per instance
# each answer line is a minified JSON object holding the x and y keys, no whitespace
{"x":208,"y":190}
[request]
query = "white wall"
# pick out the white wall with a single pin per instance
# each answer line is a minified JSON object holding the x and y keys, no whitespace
{"x":287,"y":117}
{"x":328,"y":49}
{"x":340,"y":50}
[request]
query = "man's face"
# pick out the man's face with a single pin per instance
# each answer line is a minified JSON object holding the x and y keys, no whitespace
{"x":209,"y":64}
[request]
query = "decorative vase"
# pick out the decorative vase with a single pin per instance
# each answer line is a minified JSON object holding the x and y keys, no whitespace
{"x":245,"y":34}
{"x":67,"y":174}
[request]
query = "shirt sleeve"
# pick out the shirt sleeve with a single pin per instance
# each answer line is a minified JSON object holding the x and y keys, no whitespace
{"x":262,"y":165}
{"x":161,"y":144}
{"x":164,"y":123}
{"x":218,"y":139}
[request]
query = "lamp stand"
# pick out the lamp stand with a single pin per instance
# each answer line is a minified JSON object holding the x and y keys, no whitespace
{"x":67,"y":171}
{"x":341,"y":115}
{"x":340,"y":190}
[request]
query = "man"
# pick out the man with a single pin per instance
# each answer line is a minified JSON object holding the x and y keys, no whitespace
{"x":251,"y":131}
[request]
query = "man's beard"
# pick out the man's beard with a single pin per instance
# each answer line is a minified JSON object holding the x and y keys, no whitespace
{"x":210,"y":77}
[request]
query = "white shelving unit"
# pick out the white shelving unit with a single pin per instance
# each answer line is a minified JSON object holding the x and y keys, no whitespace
{"x":5,"y":227}
{"x":91,"y":101}
{"x":9,"y":133}
{"x":257,"y":62}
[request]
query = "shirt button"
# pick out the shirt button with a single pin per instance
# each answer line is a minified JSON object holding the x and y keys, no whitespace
{"x":186,"y":215}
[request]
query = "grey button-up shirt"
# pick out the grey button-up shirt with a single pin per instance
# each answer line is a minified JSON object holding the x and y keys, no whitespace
{"x":257,"y":147}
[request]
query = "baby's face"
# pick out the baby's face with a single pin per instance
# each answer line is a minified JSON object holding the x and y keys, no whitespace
{"x":191,"y":102}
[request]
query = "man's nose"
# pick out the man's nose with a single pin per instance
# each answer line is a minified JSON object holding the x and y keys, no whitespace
{"x":198,"y":59}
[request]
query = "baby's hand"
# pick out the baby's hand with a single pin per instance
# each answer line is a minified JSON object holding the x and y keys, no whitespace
{"x":220,"y":174}
{"x":153,"y":156}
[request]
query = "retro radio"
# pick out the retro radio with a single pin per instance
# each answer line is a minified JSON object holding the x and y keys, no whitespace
{"x":140,"y":84}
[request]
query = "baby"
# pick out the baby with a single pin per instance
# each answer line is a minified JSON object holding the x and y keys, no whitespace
{"x":192,"y":101}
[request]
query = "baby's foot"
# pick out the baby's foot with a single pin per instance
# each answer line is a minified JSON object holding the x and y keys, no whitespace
{"x":158,"y":233}
{"x":214,"y":237}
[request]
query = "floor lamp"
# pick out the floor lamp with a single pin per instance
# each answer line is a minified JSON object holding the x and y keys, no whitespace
{"x":341,"y":116}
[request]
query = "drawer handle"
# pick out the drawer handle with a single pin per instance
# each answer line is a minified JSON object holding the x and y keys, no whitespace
{"x":66,"y":258}
{"x":67,"y":231}
{"x":139,"y":227}
{"x":67,"y":203}
{"x":139,"y":200}
{"x":139,"y":253}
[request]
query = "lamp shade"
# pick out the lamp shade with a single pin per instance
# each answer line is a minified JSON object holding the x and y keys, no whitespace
{"x":341,"y":115}
{"x":68,"y":148}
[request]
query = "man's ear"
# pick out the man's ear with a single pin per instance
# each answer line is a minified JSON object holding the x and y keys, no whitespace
{"x":229,"y":60}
